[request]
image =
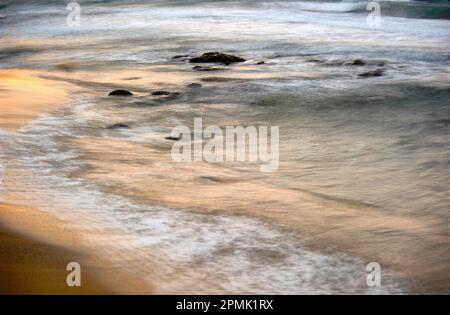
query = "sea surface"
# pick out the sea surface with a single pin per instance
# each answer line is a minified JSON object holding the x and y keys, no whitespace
{"x":364,"y":162}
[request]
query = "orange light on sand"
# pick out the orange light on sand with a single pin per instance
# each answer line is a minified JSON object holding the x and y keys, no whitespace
{"x":23,"y":95}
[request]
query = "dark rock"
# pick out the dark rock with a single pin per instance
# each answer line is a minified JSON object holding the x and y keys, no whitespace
{"x":180,"y":56}
{"x":370,"y":74}
{"x":172,"y":138}
{"x":358,"y":62}
{"x":120,"y":93}
{"x":314,"y":60}
{"x":203,"y":68}
{"x":165,"y":96}
{"x":118,"y":126}
{"x":260,"y":63}
{"x":161,"y":93}
{"x":194,"y":85}
{"x":216,"y":57}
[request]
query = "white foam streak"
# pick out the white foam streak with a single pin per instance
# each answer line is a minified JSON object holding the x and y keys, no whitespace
{"x":209,"y":253}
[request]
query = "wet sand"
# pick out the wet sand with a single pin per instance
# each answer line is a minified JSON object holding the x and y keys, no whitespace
{"x":35,"y":252}
{"x":24,"y":95}
{"x":36,"y":247}
{"x":29,"y":266}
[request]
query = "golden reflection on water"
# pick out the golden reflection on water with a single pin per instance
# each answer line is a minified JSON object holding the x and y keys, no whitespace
{"x":412,"y":245}
{"x":23,"y":96}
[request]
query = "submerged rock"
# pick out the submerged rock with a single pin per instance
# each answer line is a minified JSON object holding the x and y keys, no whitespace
{"x":370,"y":74}
{"x":340,"y":62}
{"x":180,"y":56}
{"x":161,"y":93}
{"x":194,"y":85}
{"x":218,"y":79}
{"x":216,"y":57}
{"x":205,"y":68}
{"x":120,"y":93}
{"x":315,"y":60}
{"x":357,"y":62}
{"x":165,"y":95}
{"x":119,"y":126}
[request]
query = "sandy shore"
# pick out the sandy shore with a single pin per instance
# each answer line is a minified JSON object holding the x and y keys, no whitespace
{"x":34,"y":266}
{"x":35,"y":247}
{"x":414,"y":246}
{"x":35,"y":252}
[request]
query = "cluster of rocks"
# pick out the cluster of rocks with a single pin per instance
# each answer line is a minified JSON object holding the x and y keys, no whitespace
{"x":357,"y":63}
{"x":155,"y":93}
{"x":226,"y":59}
{"x":210,"y":57}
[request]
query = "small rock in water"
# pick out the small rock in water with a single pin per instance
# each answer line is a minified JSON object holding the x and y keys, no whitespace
{"x":314,"y":60}
{"x":161,"y":93}
{"x":165,"y":95}
{"x":203,"y":68}
{"x":217,"y":57}
{"x":194,"y":85}
{"x":172,"y":138}
{"x":180,"y":56}
{"x":358,"y":62}
{"x":118,"y":126}
{"x":120,"y":93}
{"x":370,"y":74}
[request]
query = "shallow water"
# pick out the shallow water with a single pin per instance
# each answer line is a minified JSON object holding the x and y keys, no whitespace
{"x":363,"y":162}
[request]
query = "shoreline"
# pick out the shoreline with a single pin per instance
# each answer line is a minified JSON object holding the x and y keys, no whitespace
{"x":30,"y":266}
{"x":33,"y":262}
{"x":25,"y":96}
{"x":36,"y":246}
{"x":346,"y":226}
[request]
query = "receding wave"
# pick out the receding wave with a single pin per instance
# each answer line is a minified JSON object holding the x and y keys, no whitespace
{"x":422,"y":9}
{"x":405,"y":9}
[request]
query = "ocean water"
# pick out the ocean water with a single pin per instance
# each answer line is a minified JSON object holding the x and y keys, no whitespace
{"x":363,"y":161}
